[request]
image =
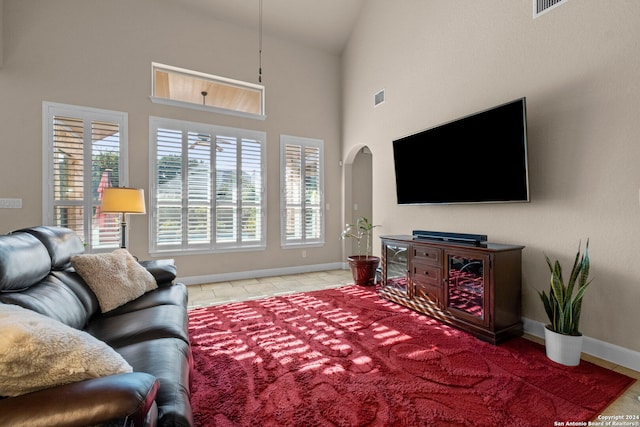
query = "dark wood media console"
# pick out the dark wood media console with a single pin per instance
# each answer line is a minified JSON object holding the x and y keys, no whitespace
{"x":473,"y":287}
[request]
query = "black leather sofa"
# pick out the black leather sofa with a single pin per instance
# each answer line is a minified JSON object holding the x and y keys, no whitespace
{"x":150,"y":333}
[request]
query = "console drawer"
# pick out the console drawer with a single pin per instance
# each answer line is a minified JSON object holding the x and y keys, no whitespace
{"x":427,"y":274}
{"x":427,"y":254}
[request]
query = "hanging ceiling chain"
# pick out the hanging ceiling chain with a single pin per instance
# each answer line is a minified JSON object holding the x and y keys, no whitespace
{"x":260,"y":42}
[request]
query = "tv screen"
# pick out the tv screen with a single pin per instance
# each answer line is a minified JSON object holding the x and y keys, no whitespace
{"x":481,"y":158}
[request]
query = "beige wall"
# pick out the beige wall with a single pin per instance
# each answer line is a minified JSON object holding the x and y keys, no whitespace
{"x":579,"y":68}
{"x":99,"y":54}
{"x":1,"y":30}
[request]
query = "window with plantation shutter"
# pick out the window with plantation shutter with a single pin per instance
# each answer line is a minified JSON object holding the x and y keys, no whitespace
{"x":302,"y":186}
{"x":207,"y":190}
{"x":85,"y":152}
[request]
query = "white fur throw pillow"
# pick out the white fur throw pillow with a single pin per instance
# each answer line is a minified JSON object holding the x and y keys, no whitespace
{"x":116,"y":278}
{"x":38,"y":352}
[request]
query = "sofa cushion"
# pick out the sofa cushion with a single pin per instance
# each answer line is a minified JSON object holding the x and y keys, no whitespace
{"x":175,"y":294}
{"x":52,"y":298}
{"x":37,"y":352}
{"x":116,"y":278}
{"x":24,"y":261}
{"x":79,"y":287}
{"x":163,"y":321}
{"x":61,"y":243}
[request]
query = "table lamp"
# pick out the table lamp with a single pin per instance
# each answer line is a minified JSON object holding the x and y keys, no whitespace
{"x":124,"y":201}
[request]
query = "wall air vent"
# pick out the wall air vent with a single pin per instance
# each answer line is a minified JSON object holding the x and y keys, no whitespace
{"x":378,"y":98}
{"x":543,"y":6}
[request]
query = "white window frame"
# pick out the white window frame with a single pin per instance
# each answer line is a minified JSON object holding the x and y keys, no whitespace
{"x":88,"y":115}
{"x":213,"y":246}
{"x":196,"y":75}
{"x":304,"y":241}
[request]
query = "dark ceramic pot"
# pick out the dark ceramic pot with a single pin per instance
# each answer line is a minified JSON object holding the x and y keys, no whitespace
{"x":363,"y":269}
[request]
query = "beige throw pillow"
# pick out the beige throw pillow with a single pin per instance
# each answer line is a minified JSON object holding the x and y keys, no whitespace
{"x":38,"y":352}
{"x":116,"y":278}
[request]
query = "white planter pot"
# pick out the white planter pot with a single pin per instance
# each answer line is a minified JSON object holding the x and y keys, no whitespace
{"x":563,"y":349}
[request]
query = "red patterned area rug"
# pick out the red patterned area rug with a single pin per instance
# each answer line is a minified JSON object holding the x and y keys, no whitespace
{"x":345,"y":357}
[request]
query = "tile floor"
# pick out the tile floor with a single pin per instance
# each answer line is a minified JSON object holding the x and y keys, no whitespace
{"x":239,"y":290}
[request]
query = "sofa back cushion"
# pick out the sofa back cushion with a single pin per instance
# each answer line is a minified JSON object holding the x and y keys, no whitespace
{"x":24,"y":261}
{"x":54,"y":298}
{"x":27,"y":258}
{"x":61,"y":243}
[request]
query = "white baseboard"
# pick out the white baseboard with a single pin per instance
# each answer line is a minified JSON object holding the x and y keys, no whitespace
{"x":253,"y":274}
{"x":600,"y":349}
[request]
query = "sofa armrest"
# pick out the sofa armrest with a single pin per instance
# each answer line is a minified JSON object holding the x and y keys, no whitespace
{"x":163,"y":270}
{"x":91,"y":402}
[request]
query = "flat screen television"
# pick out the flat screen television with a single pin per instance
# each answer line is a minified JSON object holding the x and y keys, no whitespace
{"x":480,"y":158}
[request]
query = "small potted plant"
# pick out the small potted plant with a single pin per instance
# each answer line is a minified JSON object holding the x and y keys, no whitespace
{"x":363,"y":267}
{"x":563,"y":304}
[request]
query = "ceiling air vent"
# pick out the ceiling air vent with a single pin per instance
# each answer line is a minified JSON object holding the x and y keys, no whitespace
{"x":378,"y":98}
{"x":544,"y":6}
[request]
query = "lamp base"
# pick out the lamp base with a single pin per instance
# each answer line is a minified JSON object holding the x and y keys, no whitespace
{"x":123,"y":232}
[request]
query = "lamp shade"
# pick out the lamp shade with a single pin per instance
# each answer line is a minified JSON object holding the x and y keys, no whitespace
{"x":123,"y":200}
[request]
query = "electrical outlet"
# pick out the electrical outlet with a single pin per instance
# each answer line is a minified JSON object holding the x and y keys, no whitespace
{"x":10,"y":203}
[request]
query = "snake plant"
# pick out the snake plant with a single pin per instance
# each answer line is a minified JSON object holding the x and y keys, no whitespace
{"x":563,"y":304}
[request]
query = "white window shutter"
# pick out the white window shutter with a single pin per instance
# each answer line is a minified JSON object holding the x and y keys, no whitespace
{"x":85,"y":153}
{"x":302,"y":191}
{"x":207,"y":193}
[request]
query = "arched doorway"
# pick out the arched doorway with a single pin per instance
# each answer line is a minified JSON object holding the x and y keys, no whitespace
{"x":358,"y":188}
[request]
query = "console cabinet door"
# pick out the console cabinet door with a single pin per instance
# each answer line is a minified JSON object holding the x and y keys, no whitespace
{"x":395,"y":267}
{"x":467,"y":286}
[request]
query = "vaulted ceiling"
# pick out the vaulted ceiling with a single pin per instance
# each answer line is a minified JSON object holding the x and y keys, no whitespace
{"x":324,"y":24}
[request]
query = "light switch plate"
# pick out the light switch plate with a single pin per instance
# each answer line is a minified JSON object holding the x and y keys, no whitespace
{"x":10,"y":203}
